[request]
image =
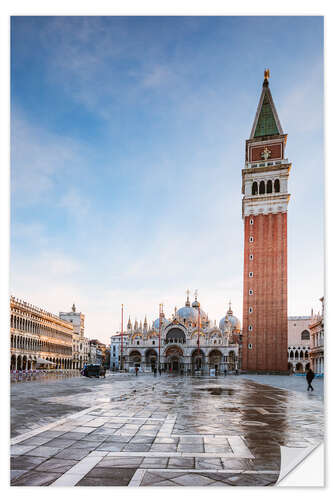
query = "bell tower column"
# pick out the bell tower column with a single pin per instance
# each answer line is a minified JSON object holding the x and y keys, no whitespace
{"x":264,"y":211}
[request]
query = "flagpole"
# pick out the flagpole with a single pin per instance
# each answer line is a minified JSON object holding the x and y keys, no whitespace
{"x":159,"y":336}
{"x":198,"y":332}
{"x":122,"y":334}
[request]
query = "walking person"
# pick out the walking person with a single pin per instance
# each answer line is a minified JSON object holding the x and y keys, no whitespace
{"x":225,"y":372}
{"x":309,"y":377}
{"x":136,"y":371}
{"x":159,"y":370}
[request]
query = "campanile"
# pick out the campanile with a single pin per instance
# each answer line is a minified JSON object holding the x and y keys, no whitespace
{"x":264,"y":211}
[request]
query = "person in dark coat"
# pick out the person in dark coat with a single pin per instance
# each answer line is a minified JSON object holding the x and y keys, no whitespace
{"x":309,"y":377}
{"x":102,"y":371}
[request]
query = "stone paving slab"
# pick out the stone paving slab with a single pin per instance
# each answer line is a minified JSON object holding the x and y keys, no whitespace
{"x":210,"y":432}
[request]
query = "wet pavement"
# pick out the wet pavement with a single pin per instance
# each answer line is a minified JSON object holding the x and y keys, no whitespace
{"x":158,"y":431}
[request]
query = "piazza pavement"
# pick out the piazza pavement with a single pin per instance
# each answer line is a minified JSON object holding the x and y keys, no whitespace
{"x":160,"y":430}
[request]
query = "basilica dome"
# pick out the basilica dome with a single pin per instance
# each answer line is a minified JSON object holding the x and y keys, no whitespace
{"x":235,"y":323}
{"x":156,"y":323}
{"x":188,"y":313}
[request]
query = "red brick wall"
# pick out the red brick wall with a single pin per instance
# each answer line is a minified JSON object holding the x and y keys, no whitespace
{"x":269,"y":318}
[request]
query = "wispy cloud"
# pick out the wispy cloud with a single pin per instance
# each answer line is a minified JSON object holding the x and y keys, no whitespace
{"x":302,"y":107}
{"x":75,"y":203}
{"x":38,"y":159}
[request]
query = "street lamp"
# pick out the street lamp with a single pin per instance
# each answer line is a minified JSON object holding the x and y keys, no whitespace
{"x":121,"y":338}
{"x":159,"y":335}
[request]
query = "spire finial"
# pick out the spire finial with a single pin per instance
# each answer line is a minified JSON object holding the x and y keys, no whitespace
{"x":229,"y":310}
{"x":266,"y":78}
{"x":196,"y":294}
{"x":187,"y":303}
{"x":73,"y":308}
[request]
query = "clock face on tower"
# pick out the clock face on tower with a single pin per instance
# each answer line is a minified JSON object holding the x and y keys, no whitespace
{"x":266,"y":154}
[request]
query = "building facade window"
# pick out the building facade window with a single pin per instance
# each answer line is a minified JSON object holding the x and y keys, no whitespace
{"x":250,"y":310}
{"x":251,"y":274}
{"x":251,"y":222}
{"x":305,"y":335}
{"x":251,"y":239}
{"x":249,"y":346}
{"x":251,"y":256}
{"x":250,"y":328}
{"x":250,"y":292}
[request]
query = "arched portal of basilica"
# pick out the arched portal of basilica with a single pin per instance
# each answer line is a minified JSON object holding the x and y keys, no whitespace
{"x":187,"y":343}
{"x":174,"y":359}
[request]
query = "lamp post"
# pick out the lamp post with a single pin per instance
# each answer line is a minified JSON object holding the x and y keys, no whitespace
{"x":121,"y":336}
{"x":198,"y":335}
{"x":159,"y":335}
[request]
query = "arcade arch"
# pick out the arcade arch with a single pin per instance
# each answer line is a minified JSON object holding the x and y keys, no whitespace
{"x":174,"y":359}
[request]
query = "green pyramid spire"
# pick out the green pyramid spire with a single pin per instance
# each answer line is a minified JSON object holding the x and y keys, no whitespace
{"x":266,"y":124}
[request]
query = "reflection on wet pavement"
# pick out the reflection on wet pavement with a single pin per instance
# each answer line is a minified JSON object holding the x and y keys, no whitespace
{"x":166,"y":431}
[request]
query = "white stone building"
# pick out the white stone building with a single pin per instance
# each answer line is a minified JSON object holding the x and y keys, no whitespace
{"x":298,"y":343}
{"x":81,"y":346}
{"x":115,"y":348}
{"x":317,"y":341}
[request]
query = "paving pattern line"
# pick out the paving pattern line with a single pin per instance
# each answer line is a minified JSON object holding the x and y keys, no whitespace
{"x":137,"y":477}
{"x":78,"y":471}
{"x":225,"y":436}
{"x":174,"y":454}
{"x":215,"y":471}
{"x":239,"y":447}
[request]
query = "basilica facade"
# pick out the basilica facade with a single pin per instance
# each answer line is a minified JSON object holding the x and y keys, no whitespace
{"x":187,"y":343}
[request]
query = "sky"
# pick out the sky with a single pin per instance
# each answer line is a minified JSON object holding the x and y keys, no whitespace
{"x":127,"y":145}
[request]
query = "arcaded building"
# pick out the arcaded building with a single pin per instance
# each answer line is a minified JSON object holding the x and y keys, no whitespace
{"x":298,"y":343}
{"x":38,"y":338}
{"x":317,"y":341}
{"x":186,"y":343}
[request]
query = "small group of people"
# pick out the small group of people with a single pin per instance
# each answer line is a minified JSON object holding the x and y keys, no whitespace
{"x":159,"y":369}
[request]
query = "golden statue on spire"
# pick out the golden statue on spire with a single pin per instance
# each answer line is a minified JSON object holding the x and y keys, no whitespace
{"x":266,"y":74}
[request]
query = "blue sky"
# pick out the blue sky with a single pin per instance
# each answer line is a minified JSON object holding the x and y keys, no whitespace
{"x":128,"y":139}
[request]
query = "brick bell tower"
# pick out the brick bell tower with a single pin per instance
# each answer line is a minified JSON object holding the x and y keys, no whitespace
{"x":264,"y":211}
